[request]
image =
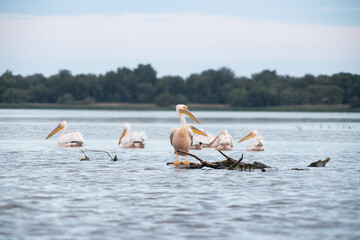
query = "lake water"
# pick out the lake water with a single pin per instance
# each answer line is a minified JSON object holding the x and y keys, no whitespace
{"x":48,"y":193}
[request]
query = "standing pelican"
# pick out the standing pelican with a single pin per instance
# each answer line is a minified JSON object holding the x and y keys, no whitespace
{"x":224,"y":141}
{"x":256,"y":143}
{"x":132,"y":140}
{"x":181,"y":138}
{"x":73,"y":139}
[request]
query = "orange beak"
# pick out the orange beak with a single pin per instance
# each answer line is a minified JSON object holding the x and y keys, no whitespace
{"x":250,"y":135}
{"x":58,"y":128}
{"x":122,"y":135}
{"x":187,"y":112}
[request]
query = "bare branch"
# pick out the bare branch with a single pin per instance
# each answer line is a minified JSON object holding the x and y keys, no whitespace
{"x":193,"y":155}
{"x":224,"y":154}
{"x":86,"y":158}
{"x":112,"y":159}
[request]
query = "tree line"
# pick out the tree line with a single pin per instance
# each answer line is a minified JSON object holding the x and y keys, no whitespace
{"x":141,"y":85}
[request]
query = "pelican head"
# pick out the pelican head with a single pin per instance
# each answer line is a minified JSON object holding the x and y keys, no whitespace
{"x":253,"y":133}
{"x":127,"y":129}
{"x":61,"y":125}
{"x":224,"y":132}
{"x":181,"y":108}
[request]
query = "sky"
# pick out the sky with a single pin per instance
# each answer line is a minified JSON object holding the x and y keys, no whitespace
{"x":180,"y":38}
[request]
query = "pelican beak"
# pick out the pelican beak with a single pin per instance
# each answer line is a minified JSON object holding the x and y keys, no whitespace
{"x":212,"y":142}
{"x":198,"y":131}
{"x":58,"y":128}
{"x":122,"y":135}
{"x":187,"y":112}
{"x":250,"y":135}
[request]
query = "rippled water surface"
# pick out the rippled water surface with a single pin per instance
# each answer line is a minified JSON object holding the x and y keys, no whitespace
{"x":48,"y":193}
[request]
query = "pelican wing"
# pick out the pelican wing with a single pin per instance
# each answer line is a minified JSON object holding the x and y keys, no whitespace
{"x":73,"y":137}
{"x":255,"y":144}
{"x":197,"y":140}
{"x":173,"y":131}
{"x":142,"y":136}
{"x":137,"y":137}
{"x":191,"y":135}
{"x":206,"y":140}
{"x":224,"y":140}
{"x":260,"y":140}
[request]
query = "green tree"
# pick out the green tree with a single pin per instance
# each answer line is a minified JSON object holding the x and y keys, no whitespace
{"x":145,"y":73}
{"x":174,"y":85}
{"x":14,"y":95}
{"x":38,"y":93}
{"x":238,"y":97}
{"x":66,"y":99}
{"x":333,"y":94}
{"x":164,"y":99}
{"x":355,"y":102}
{"x":145,"y":93}
{"x":291,"y":96}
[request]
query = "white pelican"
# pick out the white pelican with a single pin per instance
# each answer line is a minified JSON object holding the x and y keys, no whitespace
{"x":201,"y":141}
{"x":132,"y":140}
{"x":256,"y":143}
{"x":224,"y":141}
{"x":181,"y":138}
{"x":73,"y":139}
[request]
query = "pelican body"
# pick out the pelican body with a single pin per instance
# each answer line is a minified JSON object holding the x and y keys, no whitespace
{"x":256,"y":142}
{"x":224,"y":141}
{"x":201,"y":141}
{"x":73,"y":139}
{"x":182,"y":138}
{"x":132,"y":140}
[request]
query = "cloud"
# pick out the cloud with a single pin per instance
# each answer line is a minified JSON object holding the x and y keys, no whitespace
{"x":95,"y":43}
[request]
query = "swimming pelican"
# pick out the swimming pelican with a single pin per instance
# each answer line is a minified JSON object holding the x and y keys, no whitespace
{"x":181,"y":138}
{"x":201,"y":141}
{"x":256,"y":143}
{"x":224,"y":141}
{"x":132,"y":140}
{"x":73,"y":139}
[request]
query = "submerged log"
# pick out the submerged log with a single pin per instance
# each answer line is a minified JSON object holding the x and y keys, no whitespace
{"x":216,"y":165}
{"x":229,"y":163}
{"x":320,"y":163}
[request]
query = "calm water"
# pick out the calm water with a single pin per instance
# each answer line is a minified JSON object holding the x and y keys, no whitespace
{"x":48,"y":193}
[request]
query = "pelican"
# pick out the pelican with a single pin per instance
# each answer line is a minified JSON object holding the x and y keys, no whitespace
{"x":201,"y":141}
{"x":256,"y":143}
{"x":181,"y":138}
{"x":73,"y":139}
{"x":223,"y":141}
{"x":132,"y":140}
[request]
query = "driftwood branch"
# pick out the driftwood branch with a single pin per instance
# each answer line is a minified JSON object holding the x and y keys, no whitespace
{"x":193,"y":155}
{"x":203,"y":162}
{"x":237,"y":163}
{"x":86,"y":158}
{"x":224,"y":154}
{"x":114,"y":159}
{"x":229,"y":163}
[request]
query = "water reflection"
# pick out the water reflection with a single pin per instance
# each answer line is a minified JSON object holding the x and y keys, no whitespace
{"x":48,"y":193}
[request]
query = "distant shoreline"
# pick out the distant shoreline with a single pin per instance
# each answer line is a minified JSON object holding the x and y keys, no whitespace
{"x":199,"y":107}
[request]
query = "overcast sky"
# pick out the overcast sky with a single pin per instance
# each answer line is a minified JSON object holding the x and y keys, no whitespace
{"x":180,"y":37}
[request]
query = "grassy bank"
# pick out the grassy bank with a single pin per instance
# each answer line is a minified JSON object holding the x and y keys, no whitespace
{"x":204,"y":107}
